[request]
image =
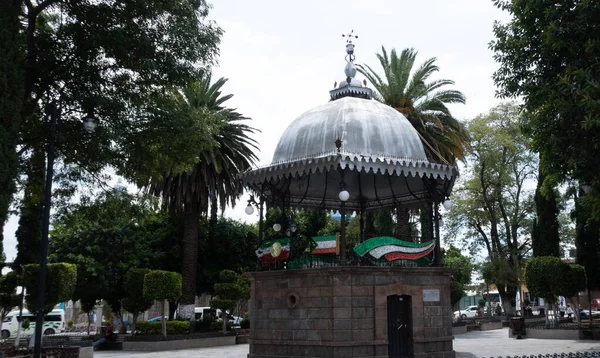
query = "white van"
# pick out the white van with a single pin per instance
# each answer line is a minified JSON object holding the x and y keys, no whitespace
{"x":205,"y":314}
{"x":54,"y":322}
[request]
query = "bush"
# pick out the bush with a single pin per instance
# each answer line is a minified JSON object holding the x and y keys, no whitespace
{"x":218,"y":325}
{"x":25,"y":324}
{"x":70,"y":323}
{"x":173,"y":327}
{"x":245,"y":323}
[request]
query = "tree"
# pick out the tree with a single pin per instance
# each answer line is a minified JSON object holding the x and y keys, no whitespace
{"x":60,"y":278}
{"x":92,"y":56}
{"x":212,"y":180}
{"x":424,"y":103}
{"x":547,"y":55}
{"x":11,"y":98}
{"x":9,"y":299}
{"x":231,"y":246}
{"x":462,"y":268}
{"x":493,"y":207}
{"x":161,"y":286}
{"x":135,"y":302}
{"x":545,"y":238}
{"x":230,"y":289}
{"x":107,"y":237}
{"x":550,"y":277}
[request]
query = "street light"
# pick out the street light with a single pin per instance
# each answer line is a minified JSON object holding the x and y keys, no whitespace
{"x":90,"y":123}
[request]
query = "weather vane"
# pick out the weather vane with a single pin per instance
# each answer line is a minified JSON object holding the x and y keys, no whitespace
{"x":350,"y":35}
{"x":350,"y":45}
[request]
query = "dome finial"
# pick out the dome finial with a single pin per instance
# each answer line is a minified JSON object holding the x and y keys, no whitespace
{"x":350,"y":86}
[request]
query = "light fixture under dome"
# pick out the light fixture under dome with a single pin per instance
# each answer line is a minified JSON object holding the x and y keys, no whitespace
{"x":448,"y":204}
{"x":277,"y":227}
{"x":441,"y":221}
{"x":344,"y":195}
{"x":249,"y":209}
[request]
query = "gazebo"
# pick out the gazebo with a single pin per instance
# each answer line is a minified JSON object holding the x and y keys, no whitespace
{"x":352,"y":154}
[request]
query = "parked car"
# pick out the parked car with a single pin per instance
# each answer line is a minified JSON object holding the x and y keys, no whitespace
{"x":468,"y":312}
{"x":157,"y":319}
{"x":595,"y":304}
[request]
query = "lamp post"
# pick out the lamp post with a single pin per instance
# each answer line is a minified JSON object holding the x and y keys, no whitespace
{"x":90,"y":123}
{"x":344,"y":195}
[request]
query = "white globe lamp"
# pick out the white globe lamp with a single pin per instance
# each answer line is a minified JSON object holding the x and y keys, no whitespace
{"x":344,"y":195}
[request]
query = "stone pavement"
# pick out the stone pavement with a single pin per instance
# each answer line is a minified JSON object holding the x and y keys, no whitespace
{"x":473,"y":344}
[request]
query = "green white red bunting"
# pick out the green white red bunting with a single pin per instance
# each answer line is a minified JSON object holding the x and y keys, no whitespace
{"x":274,"y":250}
{"x":394,"y":249}
{"x":325,"y":244}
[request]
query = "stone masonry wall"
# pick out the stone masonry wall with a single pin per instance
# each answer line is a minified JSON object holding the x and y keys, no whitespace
{"x":342,"y":312}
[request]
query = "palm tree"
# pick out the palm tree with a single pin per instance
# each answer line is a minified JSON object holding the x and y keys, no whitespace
{"x":213,"y":180}
{"x":424,"y":104}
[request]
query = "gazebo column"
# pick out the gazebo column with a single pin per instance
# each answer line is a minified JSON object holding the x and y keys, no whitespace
{"x":343,"y":234}
{"x":261,"y":228}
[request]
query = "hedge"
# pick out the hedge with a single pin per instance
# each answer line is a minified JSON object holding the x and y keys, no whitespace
{"x":173,"y":327}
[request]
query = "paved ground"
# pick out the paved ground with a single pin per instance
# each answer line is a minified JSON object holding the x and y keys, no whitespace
{"x":469,"y":345}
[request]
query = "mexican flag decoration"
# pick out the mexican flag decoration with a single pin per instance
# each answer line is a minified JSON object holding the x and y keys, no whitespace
{"x":274,"y":250}
{"x":326,"y":244}
{"x":394,"y":249}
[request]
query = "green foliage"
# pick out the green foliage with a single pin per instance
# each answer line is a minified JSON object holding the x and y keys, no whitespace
{"x":107,"y":237}
{"x":461,"y":268}
{"x":232,"y":288}
{"x":11,"y":99}
{"x":230,"y":246}
{"x":217,"y":325}
{"x":162,"y":285}
{"x":245,"y":324}
{"x":493,"y":205}
{"x":547,"y":56}
{"x":70,"y":323}
{"x":135,"y":302}
{"x":25,"y":324}
{"x":549,"y":277}
{"x":9,"y":299}
{"x":173,"y":327}
{"x":423,"y":102}
{"x":481,"y":302}
{"x":545,"y":238}
{"x":60,"y":284}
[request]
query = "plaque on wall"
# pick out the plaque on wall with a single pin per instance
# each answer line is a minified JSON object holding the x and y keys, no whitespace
{"x":431,"y":295}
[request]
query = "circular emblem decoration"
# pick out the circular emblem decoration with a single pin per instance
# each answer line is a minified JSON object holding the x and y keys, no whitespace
{"x":276,"y":249}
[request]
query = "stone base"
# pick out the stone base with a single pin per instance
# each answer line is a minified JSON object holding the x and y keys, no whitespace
{"x":178,"y":344}
{"x":459,"y":330}
{"x":487,"y":326}
{"x":553,"y":334}
{"x":343,"y":312}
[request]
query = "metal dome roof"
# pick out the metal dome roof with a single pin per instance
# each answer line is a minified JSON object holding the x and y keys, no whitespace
{"x":366,"y":127}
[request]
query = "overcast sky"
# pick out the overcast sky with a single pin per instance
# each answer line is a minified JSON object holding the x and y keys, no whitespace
{"x":282,"y":57}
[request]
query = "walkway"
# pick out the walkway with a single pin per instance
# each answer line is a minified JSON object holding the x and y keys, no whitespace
{"x":469,"y":345}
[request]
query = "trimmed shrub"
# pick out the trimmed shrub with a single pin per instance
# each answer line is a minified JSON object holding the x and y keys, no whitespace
{"x":162,"y":285}
{"x":60,"y":284}
{"x":70,"y":323}
{"x":173,"y":327}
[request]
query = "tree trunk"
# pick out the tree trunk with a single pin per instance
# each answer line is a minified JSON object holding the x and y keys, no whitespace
{"x":224,"y":321}
{"x":189,"y":262}
{"x":163,"y":321}
{"x":89,"y":319}
{"x":403,"y":230}
{"x":133,"y":322}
